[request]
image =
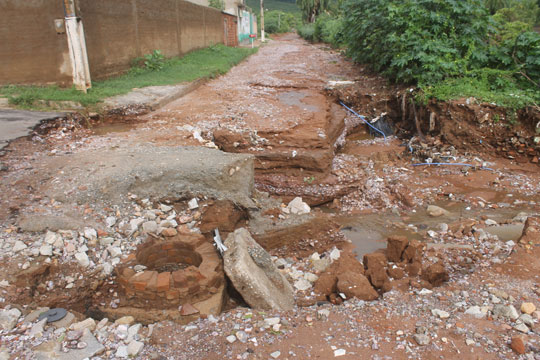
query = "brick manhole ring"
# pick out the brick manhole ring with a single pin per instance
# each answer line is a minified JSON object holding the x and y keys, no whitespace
{"x":182,"y":269}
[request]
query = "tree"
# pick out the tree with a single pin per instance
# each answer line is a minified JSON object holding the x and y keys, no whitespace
{"x":312,"y":8}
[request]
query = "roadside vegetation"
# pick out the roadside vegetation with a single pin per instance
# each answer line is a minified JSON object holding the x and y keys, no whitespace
{"x":448,"y":49}
{"x":150,"y":70}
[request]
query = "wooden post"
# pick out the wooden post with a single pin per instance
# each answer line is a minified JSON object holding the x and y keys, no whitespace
{"x":262,"y":20}
{"x":77,"y":47}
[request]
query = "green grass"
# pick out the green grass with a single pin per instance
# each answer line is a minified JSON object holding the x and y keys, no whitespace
{"x":285,"y":6}
{"x":205,"y":63}
{"x":489,"y":85}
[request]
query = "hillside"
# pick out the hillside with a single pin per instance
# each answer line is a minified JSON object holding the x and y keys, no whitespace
{"x":285,"y":6}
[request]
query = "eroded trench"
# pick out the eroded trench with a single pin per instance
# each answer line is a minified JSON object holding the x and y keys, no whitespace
{"x":186,"y":272}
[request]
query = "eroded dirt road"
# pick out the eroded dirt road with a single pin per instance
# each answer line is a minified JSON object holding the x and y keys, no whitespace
{"x":455,"y":290}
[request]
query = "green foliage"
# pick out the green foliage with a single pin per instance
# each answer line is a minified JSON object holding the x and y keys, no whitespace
{"x":417,"y":40}
{"x":525,"y":11}
{"x":270,"y":5}
{"x":496,"y":86}
{"x":154,"y":61}
{"x":217,"y":4}
{"x":204,"y":63}
{"x":329,"y":30}
{"x":280,"y":22}
{"x":312,"y":8}
{"x":307,"y":31}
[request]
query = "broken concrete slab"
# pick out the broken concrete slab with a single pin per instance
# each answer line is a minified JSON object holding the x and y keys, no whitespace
{"x":152,"y":172}
{"x":152,"y":97}
{"x":254,"y":275}
{"x":51,"y":349}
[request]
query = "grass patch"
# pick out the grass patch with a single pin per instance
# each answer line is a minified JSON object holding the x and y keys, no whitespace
{"x":494,"y":86}
{"x":205,"y":63}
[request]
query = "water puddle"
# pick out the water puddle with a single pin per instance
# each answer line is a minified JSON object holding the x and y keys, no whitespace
{"x":294,"y":98}
{"x":110,"y":128}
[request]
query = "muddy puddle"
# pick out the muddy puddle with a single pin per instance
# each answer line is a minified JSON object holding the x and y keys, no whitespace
{"x":368,"y":232}
{"x":111,"y":128}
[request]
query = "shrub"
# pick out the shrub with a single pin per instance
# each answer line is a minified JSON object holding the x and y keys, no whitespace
{"x":307,"y":31}
{"x":276,"y":21}
{"x":417,"y":40}
{"x":329,"y":30}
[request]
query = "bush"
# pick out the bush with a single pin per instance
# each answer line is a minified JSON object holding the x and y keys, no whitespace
{"x":307,"y":31}
{"x":276,"y":21}
{"x":329,"y":30}
{"x":417,"y":40}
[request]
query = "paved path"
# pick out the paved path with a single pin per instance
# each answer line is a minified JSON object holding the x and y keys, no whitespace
{"x":17,"y":123}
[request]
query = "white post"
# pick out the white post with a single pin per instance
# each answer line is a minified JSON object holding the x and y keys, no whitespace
{"x":262,"y":20}
{"x":77,"y":48}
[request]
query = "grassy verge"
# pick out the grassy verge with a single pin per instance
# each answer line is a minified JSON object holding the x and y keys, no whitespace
{"x":206,"y":63}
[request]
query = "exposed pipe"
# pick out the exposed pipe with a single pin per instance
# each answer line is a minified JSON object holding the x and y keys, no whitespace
{"x":454,"y":164}
{"x":363,"y":119}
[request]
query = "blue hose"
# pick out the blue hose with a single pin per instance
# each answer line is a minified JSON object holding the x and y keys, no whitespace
{"x":363,"y":119}
{"x":454,"y":164}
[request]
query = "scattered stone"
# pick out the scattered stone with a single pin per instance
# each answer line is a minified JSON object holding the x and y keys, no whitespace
{"x":242,"y":336}
{"x":275,"y":354}
{"x":323,"y":314}
{"x":356,"y":285}
{"x":134,"y":347}
{"x":82,"y":259}
{"x":46,"y":250}
{"x":90,"y":234}
{"x":297,"y":206}
{"x":110,"y":221}
{"x":37,"y":329}
{"x":528,"y":308}
{"x":436,"y":211}
{"x":334,"y":254}
{"x":193,"y":204}
{"x":169,"y":232}
{"x":395,"y":247}
{"x":19,"y":245}
{"x":88,"y":323}
{"x":65,"y":322}
{"x":339,"y":352}
{"x":150,"y":227}
{"x":521,"y":327}
{"x":125,"y":320}
{"x":435,"y":274}
{"x":519,"y":344}
{"x":476,"y":311}
{"x":422,"y":339}
{"x":122,"y":352}
{"x":9,"y":318}
{"x":231,"y":339}
{"x":165,"y":208}
{"x":302,"y":284}
{"x":440,"y":313}
{"x":506,"y":311}
{"x":254,"y":275}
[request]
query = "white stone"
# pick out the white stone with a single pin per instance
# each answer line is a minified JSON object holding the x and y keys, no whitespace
{"x":271,"y":321}
{"x":165,"y":208}
{"x":122,"y":352}
{"x":193,"y":204}
{"x":302,"y":284}
{"x":335,"y":254}
{"x":9,"y":318}
{"x":150,"y":227}
{"x":275,"y":354}
{"x":339,"y":352}
{"x":114,"y":251}
{"x":37,"y":328}
{"x":107,"y":269}
{"x":110,"y":221}
{"x":297,"y":206}
{"x":135,"y":223}
{"x":106,"y":241}
{"x":82,"y":259}
{"x":88,"y":323}
{"x":134,"y":347}
{"x":19,"y":245}
{"x":51,"y":237}
{"x":230,"y":339}
{"x":476,"y":311}
{"x":90,"y":234}
{"x":132,"y":331}
{"x":490,"y":222}
{"x":46,"y":250}
{"x":310,"y":277}
{"x":440,"y":313}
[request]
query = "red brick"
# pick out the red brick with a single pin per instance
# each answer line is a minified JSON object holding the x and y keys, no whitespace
{"x":167,"y":246}
{"x":163,"y":281}
{"x":140,"y":280}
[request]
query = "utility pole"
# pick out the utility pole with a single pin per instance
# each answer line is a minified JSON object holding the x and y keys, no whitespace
{"x":77,"y":47}
{"x":262,"y":20}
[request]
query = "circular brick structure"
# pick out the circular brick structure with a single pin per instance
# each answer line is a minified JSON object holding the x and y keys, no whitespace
{"x":182,"y":269}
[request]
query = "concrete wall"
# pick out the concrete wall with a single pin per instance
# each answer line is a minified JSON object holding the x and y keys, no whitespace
{"x":116,"y":32}
{"x":30,"y":49}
